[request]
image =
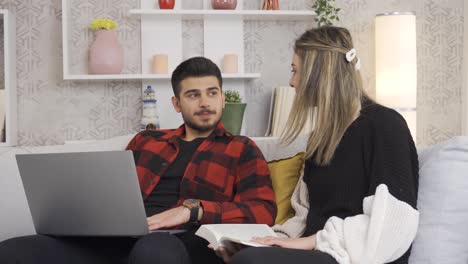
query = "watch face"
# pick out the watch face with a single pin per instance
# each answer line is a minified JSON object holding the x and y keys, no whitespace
{"x":191,"y":203}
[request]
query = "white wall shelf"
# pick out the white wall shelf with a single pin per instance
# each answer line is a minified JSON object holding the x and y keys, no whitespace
{"x":77,"y":77}
{"x":194,"y":14}
{"x":9,"y":74}
{"x":161,"y":33}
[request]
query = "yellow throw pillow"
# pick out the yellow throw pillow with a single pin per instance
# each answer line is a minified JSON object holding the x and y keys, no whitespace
{"x":284,"y":176}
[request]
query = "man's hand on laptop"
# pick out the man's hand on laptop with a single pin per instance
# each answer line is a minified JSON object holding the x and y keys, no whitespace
{"x":170,"y":218}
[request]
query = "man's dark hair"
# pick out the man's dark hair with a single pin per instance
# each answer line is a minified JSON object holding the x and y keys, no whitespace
{"x":194,"y":67}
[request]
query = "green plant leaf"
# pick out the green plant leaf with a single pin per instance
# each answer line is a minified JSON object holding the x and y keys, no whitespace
{"x":326,"y":12}
{"x":232,"y":96}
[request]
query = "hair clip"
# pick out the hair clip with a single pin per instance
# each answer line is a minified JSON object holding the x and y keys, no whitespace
{"x":351,"y":55}
{"x":358,"y":64}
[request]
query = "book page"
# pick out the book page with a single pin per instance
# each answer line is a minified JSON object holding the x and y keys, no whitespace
{"x":282,"y":100}
{"x":212,"y":236}
{"x":227,"y":242}
{"x":275,"y":119}
{"x":239,"y":233}
{"x":283,"y":104}
{"x":279,"y":111}
{"x":289,"y":94}
{"x":270,"y":115}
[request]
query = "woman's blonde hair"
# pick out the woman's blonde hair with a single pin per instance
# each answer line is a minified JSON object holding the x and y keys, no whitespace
{"x":330,"y":91}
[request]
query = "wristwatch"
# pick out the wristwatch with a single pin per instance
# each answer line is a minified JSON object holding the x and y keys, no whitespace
{"x":194,"y":206}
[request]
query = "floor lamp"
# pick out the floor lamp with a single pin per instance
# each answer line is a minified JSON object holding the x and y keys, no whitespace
{"x":395,"y":64}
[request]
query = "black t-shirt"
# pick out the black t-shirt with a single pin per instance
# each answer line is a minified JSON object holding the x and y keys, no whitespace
{"x":166,"y":193}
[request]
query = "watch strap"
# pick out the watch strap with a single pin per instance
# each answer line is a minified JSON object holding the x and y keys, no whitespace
{"x":193,"y":215}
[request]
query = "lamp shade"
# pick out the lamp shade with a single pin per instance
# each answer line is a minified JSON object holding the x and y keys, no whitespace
{"x":396,"y":65}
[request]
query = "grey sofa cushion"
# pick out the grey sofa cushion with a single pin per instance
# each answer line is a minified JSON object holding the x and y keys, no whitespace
{"x":443,"y":204}
{"x":15,"y":218}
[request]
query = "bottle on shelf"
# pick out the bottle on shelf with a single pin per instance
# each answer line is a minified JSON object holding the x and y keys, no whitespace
{"x":150,"y":117}
{"x":271,"y":5}
{"x":166,"y":4}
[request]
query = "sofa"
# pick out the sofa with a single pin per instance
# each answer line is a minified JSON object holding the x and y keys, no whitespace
{"x":442,"y":201}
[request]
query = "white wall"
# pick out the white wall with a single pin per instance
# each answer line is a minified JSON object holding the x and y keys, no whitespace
{"x":465,"y":73}
{"x":51,"y":111}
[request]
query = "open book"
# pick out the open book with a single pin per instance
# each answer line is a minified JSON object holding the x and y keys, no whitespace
{"x":225,"y":234}
{"x":281,"y":104}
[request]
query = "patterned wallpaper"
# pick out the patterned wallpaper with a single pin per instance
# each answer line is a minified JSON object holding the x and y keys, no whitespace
{"x":2,"y":77}
{"x":52,"y":110}
{"x":440,"y":59}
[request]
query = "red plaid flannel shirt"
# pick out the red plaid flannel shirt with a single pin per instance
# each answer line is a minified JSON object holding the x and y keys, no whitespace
{"x":227,"y":173}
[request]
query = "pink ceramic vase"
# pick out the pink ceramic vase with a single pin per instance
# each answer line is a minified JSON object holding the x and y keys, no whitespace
{"x":105,"y":54}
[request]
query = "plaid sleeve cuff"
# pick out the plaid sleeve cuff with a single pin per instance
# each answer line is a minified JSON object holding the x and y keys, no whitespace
{"x":211,"y":212}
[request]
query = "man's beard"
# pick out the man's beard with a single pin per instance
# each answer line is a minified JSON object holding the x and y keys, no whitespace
{"x":188,"y":122}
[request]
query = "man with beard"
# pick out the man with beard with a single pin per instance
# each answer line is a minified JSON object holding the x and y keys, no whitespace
{"x":196,"y":174}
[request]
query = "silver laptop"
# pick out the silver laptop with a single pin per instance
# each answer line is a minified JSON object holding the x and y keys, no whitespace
{"x":84,"y":194}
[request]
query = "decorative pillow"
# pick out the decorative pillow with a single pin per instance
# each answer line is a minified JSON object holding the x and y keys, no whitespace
{"x":284,"y":175}
{"x":443,"y":192}
{"x":273,"y":150}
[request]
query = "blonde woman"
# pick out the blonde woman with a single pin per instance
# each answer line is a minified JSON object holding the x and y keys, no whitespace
{"x":356,"y":200}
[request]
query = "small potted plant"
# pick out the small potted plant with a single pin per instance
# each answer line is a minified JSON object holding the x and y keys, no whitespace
{"x":105,"y":53}
{"x":326,"y":12}
{"x":233,"y":113}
